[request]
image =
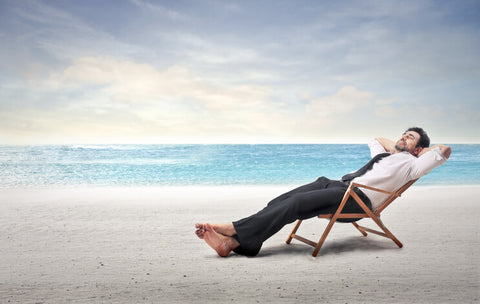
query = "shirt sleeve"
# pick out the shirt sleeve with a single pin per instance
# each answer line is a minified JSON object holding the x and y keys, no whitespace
{"x":375,"y":147}
{"x":427,"y":162}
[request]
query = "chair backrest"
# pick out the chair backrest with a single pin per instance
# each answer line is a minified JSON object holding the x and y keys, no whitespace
{"x":392,"y":197}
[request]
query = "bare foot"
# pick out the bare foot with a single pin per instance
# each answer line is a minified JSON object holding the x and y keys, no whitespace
{"x":226,"y":229}
{"x":222,"y":244}
{"x":200,"y":230}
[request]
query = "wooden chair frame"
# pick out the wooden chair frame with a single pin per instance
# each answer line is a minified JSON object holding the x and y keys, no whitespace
{"x":375,"y":216}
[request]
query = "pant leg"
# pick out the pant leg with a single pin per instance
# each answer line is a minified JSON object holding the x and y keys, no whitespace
{"x":317,"y":184}
{"x":321,"y":196}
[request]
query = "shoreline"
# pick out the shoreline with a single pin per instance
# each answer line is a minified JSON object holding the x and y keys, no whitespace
{"x":177,"y":193}
{"x":195,"y":186}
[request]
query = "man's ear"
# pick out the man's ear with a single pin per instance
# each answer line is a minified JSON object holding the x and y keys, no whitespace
{"x":418,"y":151}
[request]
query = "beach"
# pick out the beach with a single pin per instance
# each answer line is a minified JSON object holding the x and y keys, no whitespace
{"x":137,"y":245}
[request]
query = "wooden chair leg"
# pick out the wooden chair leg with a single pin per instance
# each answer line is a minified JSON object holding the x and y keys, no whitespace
{"x":387,"y":232}
{"x":295,"y":228}
{"x":359,"y":229}
{"x":377,"y":221}
{"x":323,"y":238}
{"x":332,"y":221}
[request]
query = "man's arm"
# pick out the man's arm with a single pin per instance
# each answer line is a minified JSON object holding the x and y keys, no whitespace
{"x":446,"y":150}
{"x":388,"y":145}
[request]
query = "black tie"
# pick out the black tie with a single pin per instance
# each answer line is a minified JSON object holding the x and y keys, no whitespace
{"x":364,"y":169}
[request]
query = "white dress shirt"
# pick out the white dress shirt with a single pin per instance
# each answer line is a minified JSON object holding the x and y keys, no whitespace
{"x":394,"y":171}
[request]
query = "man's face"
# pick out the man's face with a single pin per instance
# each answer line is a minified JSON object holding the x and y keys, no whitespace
{"x":408,"y":142}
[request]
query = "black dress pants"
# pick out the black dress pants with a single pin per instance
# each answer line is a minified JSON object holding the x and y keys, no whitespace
{"x":323,"y":196}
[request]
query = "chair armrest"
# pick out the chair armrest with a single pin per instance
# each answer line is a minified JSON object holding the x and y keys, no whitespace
{"x":374,"y":189}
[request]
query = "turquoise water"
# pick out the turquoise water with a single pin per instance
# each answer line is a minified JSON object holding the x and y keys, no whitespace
{"x":151,"y":165}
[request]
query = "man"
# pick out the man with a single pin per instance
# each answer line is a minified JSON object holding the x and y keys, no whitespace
{"x":407,"y":159}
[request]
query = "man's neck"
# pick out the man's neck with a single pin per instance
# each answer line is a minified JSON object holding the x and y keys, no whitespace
{"x":400,"y":151}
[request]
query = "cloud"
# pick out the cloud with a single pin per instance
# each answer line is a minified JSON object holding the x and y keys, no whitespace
{"x":124,"y":81}
{"x":106,"y":97}
{"x":345,"y":101}
{"x":158,"y":9}
{"x":136,"y":99}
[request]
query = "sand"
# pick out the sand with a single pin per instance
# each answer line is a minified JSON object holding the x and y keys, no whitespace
{"x":137,"y":245}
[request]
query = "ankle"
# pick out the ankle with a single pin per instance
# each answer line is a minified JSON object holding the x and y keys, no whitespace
{"x":225,"y":228}
{"x":232,"y":243}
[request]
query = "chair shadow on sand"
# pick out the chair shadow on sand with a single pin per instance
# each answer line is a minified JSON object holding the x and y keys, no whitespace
{"x":340,"y":245}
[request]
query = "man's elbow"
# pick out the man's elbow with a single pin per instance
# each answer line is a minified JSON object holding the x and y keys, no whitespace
{"x":446,"y":150}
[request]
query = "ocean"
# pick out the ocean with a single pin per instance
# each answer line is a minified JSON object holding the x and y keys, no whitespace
{"x":180,"y":165}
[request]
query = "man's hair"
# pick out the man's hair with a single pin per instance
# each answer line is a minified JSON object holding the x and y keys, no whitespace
{"x":424,"y":140}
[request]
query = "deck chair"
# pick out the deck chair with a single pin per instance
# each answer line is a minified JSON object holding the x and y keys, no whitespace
{"x":375,"y":216}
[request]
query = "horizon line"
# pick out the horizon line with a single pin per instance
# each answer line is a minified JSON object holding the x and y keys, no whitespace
{"x":210,"y":143}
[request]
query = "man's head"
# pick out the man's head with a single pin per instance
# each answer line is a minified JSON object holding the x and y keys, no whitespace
{"x":413,"y":140}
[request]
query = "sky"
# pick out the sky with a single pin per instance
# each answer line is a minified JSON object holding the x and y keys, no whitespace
{"x":219,"y":71}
